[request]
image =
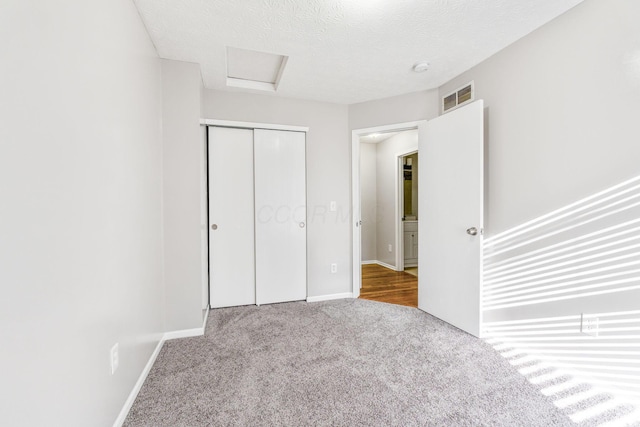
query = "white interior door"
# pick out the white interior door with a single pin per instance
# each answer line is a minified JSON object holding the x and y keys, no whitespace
{"x":451,"y":208}
{"x":280,"y":216}
{"x":231,"y":217}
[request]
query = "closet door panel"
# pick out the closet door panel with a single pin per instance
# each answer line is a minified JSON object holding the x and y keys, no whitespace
{"x":280,"y":216}
{"x":231,"y":213}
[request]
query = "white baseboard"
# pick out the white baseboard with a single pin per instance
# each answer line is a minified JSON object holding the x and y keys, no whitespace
{"x":138,"y":385}
{"x":204,"y":322}
{"x":380,"y":263}
{"x":330,"y":297}
{"x":385,"y":265}
{"x":185,"y":333}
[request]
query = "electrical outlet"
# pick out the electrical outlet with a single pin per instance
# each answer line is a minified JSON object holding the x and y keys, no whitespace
{"x":333,"y":206}
{"x":589,"y":325}
{"x":334,"y":268}
{"x":115,"y":358}
{"x":390,"y":248}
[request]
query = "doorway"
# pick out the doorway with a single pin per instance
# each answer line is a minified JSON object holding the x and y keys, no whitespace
{"x":452,"y":162}
{"x":382,"y":158}
{"x":408,"y":206}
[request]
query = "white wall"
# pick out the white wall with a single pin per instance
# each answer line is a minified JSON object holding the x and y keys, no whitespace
{"x":368,"y":201}
{"x":328,"y":175}
{"x":80,"y":208}
{"x":562,"y":108}
{"x":388,"y":152}
{"x":182,"y":194}
{"x":409,"y":107}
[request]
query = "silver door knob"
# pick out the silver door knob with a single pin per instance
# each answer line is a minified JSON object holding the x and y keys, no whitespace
{"x":214,"y":226}
{"x":302,"y":225}
{"x":472,"y":231}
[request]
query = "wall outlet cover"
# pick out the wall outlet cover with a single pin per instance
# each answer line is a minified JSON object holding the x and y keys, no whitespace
{"x":589,"y":325}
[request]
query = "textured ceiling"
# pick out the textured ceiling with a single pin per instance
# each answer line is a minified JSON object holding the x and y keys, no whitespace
{"x":345,"y":51}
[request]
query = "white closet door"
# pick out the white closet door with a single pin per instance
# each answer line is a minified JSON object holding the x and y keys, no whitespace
{"x":231,"y":217}
{"x":280,"y":216}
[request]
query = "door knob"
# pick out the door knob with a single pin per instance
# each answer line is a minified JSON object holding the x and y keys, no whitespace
{"x":472,"y":231}
{"x":302,"y":225}
{"x":214,"y":226}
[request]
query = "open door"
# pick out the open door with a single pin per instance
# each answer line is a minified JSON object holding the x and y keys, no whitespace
{"x":451,"y":216}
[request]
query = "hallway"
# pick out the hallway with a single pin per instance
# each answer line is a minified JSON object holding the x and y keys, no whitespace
{"x":385,"y":285}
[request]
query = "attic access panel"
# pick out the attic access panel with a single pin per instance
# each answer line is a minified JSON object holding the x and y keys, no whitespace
{"x":252,"y":69}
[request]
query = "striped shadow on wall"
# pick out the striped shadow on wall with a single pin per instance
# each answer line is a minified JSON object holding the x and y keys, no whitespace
{"x":561,"y":300}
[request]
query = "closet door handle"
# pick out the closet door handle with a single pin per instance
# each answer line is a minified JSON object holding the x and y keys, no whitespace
{"x":214,"y":226}
{"x":302,"y":224}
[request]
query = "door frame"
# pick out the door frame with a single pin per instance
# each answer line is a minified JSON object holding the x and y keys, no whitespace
{"x":400,"y":208}
{"x":251,"y":125}
{"x":356,"y":134}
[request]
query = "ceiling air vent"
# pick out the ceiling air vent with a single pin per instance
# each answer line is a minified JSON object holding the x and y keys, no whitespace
{"x":458,"y":97}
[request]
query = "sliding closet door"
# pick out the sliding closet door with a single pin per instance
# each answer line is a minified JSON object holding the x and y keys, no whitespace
{"x":280,"y":216}
{"x":231,"y":209}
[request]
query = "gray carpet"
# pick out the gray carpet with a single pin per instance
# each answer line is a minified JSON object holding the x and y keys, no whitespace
{"x":344,"y":362}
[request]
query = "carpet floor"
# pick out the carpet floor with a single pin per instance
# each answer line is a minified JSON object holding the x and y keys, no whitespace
{"x":346,"y":363}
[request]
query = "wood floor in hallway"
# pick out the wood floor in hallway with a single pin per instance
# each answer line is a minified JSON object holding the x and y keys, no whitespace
{"x":386,"y":285}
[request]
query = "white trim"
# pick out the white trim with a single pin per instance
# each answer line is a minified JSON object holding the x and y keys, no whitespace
{"x":283,"y":64}
{"x":381,"y":264}
{"x":389,"y":266}
{"x":400,"y":207}
{"x":206,"y":316}
{"x":138,"y":385}
{"x":388,"y":128}
{"x":152,"y":359}
{"x":356,"y":219}
{"x":251,"y":84}
{"x":184,"y":333}
{"x":252,"y":125}
{"x":330,"y":297}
